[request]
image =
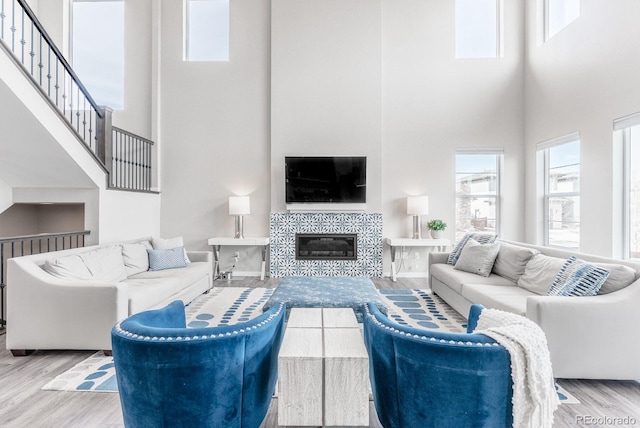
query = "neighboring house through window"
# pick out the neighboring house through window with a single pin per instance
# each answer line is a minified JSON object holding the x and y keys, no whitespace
{"x":477,"y":191}
{"x":206,"y":35}
{"x":478,"y":24}
{"x":561,"y":180}
{"x":97,"y":46}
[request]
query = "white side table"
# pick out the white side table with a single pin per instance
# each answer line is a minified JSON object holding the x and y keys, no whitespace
{"x":394,"y":243}
{"x":217,"y":243}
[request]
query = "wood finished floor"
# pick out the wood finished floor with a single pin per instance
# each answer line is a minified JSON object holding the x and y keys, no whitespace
{"x":23,"y":404}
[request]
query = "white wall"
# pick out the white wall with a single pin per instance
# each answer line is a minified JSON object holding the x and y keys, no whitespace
{"x":215,"y":129}
{"x":128,"y":215}
{"x":581,"y":80}
{"x":326,"y":87}
{"x":434,"y":103}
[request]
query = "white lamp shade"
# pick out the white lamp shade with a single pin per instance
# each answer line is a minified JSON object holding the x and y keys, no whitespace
{"x":418,"y":205}
{"x":239,"y":205}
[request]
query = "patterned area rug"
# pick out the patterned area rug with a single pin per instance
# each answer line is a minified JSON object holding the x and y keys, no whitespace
{"x":230,"y":305}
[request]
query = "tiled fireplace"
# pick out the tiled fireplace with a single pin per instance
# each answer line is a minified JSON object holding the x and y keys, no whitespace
{"x":328,"y":242}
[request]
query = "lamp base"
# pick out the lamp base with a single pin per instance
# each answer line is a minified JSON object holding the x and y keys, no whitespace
{"x":417,"y":227}
{"x":239,"y":232}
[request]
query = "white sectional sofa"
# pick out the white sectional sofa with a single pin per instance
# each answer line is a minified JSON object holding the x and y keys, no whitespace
{"x":71,"y":299}
{"x":592,"y":337}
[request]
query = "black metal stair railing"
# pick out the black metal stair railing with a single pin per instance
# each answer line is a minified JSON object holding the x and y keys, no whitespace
{"x":131,"y":161}
{"x":32,"y":244}
{"x":27,"y":42}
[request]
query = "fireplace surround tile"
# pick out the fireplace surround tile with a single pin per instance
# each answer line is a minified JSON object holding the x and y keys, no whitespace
{"x":367,"y":226}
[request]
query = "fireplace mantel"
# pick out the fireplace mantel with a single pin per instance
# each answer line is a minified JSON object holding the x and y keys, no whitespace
{"x":366,"y":226}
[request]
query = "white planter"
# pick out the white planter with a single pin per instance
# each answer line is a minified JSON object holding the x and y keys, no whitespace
{"x":436,"y":234}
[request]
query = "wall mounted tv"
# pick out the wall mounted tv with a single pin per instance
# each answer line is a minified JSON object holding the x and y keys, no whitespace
{"x":326,"y":179}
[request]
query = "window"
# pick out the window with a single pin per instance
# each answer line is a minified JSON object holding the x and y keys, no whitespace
{"x":478,"y":28}
{"x":98,"y":49}
{"x":561,"y":162}
{"x":207,"y":30}
{"x":628,"y":132}
{"x":558,"y":14}
{"x":477,"y":191}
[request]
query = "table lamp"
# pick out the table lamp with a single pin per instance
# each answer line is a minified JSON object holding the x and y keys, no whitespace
{"x":417,"y":206}
{"x":239,"y":206}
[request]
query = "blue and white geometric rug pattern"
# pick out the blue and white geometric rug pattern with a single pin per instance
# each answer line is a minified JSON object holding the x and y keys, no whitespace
{"x":230,"y":305}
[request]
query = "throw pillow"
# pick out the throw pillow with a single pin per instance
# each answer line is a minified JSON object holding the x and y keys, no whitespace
{"x":578,"y":278}
{"x":477,"y":258}
{"x":540,"y":273}
{"x":168,"y":244}
{"x":166,"y":259}
{"x":620,"y":276}
{"x":482,"y":238}
{"x":106,"y":263}
{"x":511,"y":260}
{"x":135,"y":257}
{"x":67,"y":267}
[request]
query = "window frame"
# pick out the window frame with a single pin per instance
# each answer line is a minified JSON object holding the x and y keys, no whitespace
{"x":545,"y":148}
{"x":499,"y":155}
{"x":622,"y":127}
{"x":186,"y":31}
{"x":545,"y":18}
{"x":71,"y":37}
{"x":499,"y":33}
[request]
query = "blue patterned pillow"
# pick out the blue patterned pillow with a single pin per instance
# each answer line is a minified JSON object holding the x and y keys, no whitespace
{"x":166,"y":259}
{"x":482,"y":238}
{"x":578,"y":278}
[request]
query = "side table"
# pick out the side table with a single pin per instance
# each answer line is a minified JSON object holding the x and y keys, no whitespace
{"x":218,"y":242}
{"x":394,"y":243}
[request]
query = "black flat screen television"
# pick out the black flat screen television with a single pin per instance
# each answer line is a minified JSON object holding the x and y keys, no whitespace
{"x":326,"y":179}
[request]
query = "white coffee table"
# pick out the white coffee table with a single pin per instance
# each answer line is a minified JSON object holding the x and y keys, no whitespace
{"x":323,"y":370}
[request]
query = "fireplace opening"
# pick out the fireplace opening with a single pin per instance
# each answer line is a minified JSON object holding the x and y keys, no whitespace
{"x":324,"y":246}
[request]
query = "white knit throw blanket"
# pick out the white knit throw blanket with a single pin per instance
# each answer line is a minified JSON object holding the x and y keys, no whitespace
{"x":534,"y":393}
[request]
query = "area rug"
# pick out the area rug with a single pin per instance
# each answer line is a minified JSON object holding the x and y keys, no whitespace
{"x":230,"y":305}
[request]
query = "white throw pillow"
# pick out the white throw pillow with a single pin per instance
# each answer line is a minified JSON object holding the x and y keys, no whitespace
{"x":477,"y":258}
{"x":540,"y":273}
{"x":168,"y":244}
{"x":105,"y":263}
{"x":67,"y":267}
{"x":135,"y":257}
{"x":512,"y":260}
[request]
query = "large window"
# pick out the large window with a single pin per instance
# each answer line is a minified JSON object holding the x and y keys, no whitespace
{"x":206,"y":30}
{"x":628,"y":132}
{"x":558,"y":14}
{"x":98,"y":49}
{"x":477,"y":191}
{"x":561,"y":159}
{"x":478,"y":28}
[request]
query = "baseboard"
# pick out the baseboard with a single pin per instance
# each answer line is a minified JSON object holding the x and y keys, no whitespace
{"x":240,"y":273}
{"x":413,"y":275}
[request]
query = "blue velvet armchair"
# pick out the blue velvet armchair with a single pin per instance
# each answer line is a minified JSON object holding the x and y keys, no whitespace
{"x":173,"y":376}
{"x":428,"y":378}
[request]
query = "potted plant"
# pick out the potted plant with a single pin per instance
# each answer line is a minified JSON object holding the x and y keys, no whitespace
{"x":436,"y":227}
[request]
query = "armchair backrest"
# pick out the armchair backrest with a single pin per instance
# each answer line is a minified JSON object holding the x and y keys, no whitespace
{"x":430,"y":378}
{"x":173,"y":376}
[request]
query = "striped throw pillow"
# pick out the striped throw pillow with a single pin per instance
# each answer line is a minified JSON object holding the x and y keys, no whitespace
{"x":482,"y":238}
{"x":578,"y":278}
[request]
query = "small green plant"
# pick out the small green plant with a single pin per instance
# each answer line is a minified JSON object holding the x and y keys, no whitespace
{"x":437,"y":225}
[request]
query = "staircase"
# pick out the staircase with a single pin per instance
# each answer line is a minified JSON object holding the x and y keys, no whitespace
{"x":58,"y":146}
